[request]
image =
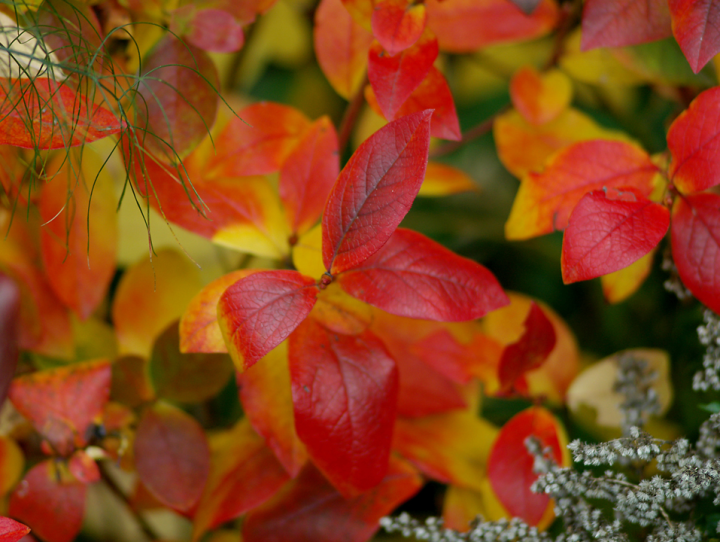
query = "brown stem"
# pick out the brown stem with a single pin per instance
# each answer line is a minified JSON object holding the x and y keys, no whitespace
{"x":570,"y":14}
{"x":115,"y":488}
{"x":473,"y":133}
{"x":350,"y":116}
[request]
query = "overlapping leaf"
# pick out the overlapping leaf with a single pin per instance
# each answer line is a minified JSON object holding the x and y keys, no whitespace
{"x":694,"y":143}
{"x":311,"y":509}
{"x":344,"y":391}
{"x":696,"y":27}
{"x":374,"y":191}
{"x":172,"y":456}
{"x":545,"y":200}
{"x":621,"y":284}
{"x":63,"y":402}
{"x":540,"y":98}
{"x":609,"y":230}
{"x":695,"y":235}
{"x":416,"y":277}
{"x":258,"y":312}
{"x":209,"y":29}
{"x":11,"y":530}
{"x":617,"y":23}
{"x":397,"y":24}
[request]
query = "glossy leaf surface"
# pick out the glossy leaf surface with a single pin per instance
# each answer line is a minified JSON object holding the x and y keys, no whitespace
{"x":416,"y":277}
{"x":394,"y":78}
{"x":545,"y":200}
{"x":45,"y":114}
{"x":172,"y":457}
{"x":695,"y":236}
{"x":609,"y":230}
{"x":63,"y":402}
{"x":374,"y":192}
{"x":510,"y":466}
{"x":344,"y":391}
{"x":530,"y":351}
{"x":694,"y":142}
{"x":258,"y":312}
{"x":696,"y":27}
{"x":617,"y":23}
{"x":50,"y":502}
{"x":397,"y":24}
{"x":311,"y":509}
{"x":11,"y":530}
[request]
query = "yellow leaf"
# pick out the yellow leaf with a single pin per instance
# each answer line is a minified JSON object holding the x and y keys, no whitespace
{"x":443,"y":180}
{"x":621,"y":284}
{"x":307,"y":253}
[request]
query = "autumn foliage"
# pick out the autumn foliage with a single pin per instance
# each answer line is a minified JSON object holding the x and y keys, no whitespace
{"x":296,"y":360}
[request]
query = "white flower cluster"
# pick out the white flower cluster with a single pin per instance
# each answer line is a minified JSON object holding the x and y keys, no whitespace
{"x":635,"y":383}
{"x":709,"y":335}
{"x":674,"y":284}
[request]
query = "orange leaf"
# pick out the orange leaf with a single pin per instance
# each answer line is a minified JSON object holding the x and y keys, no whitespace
{"x":398,"y":24}
{"x":44,"y":114}
{"x":545,"y":200}
{"x":79,"y":233}
{"x":63,"y":402}
{"x":50,"y":502}
{"x":312,"y":510}
{"x":340,"y":312}
{"x":244,"y":473}
{"x":540,"y":98}
{"x":621,"y":284}
{"x":463,"y":26}
{"x":341,"y":46}
{"x":267,"y":402}
{"x":172,"y":456}
{"x":443,"y":180}
{"x":199,"y":328}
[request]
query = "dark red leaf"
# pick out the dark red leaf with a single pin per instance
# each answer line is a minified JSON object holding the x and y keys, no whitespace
{"x":530,"y":351}
{"x":258,"y":312}
{"x":44,"y":114}
{"x":617,"y":23}
{"x":212,"y":30}
{"x":308,"y":175}
{"x":11,"y":530}
{"x":374,"y":191}
{"x":397,"y":24}
{"x":9,"y":314}
{"x":696,"y":26}
{"x":344,"y":392}
{"x":510,"y":466}
{"x":172,"y":456}
{"x":50,"y":502}
{"x":394,"y":78}
{"x":313,"y":511}
{"x":694,"y":143}
{"x":609,"y":230}
{"x":695,"y":236}
{"x":416,"y":277}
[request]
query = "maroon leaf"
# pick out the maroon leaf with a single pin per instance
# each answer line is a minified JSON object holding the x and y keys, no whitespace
{"x":258,"y":312}
{"x":617,"y":23}
{"x":374,"y":191}
{"x":9,"y":314}
{"x":531,"y":349}
{"x":695,"y":236}
{"x":696,"y":26}
{"x":609,"y":230}
{"x":416,"y":277}
{"x":344,"y":392}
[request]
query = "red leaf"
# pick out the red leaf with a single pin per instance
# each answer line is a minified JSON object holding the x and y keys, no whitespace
{"x":172,"y":457}
{"x":313,"y":511}
{"x":530,"y":351}
{"x":416,"y":277}
{"x":695,"y":236}
{"x":9,"y":324}
{"x":258,"y":312}
{"x":344,"y":392}
{"x":398,"y":24}
{"x":212,"y":30}
{"x":244,"y":474}
{"x":694,"y":142}
{"x":63,"y":402}
{"x":609,"y":230}
{"x":50,"y":502}
{"x":11,"y":530}
{"x":308,"y":175}
{"x":696,"y":26}
{"x":617,"y":23}
{"x":374,"y":191}
{"x":510,"y":466}
{"x":44,"y":114}
{"x":394,"y":78}
{"x":256,"y":141}
{"x":463,"y":26}
{"x":83,"y":467}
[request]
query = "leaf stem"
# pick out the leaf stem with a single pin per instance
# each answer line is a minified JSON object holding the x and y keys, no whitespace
{"x":475,"y":132}
{"x":350,"y":116}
